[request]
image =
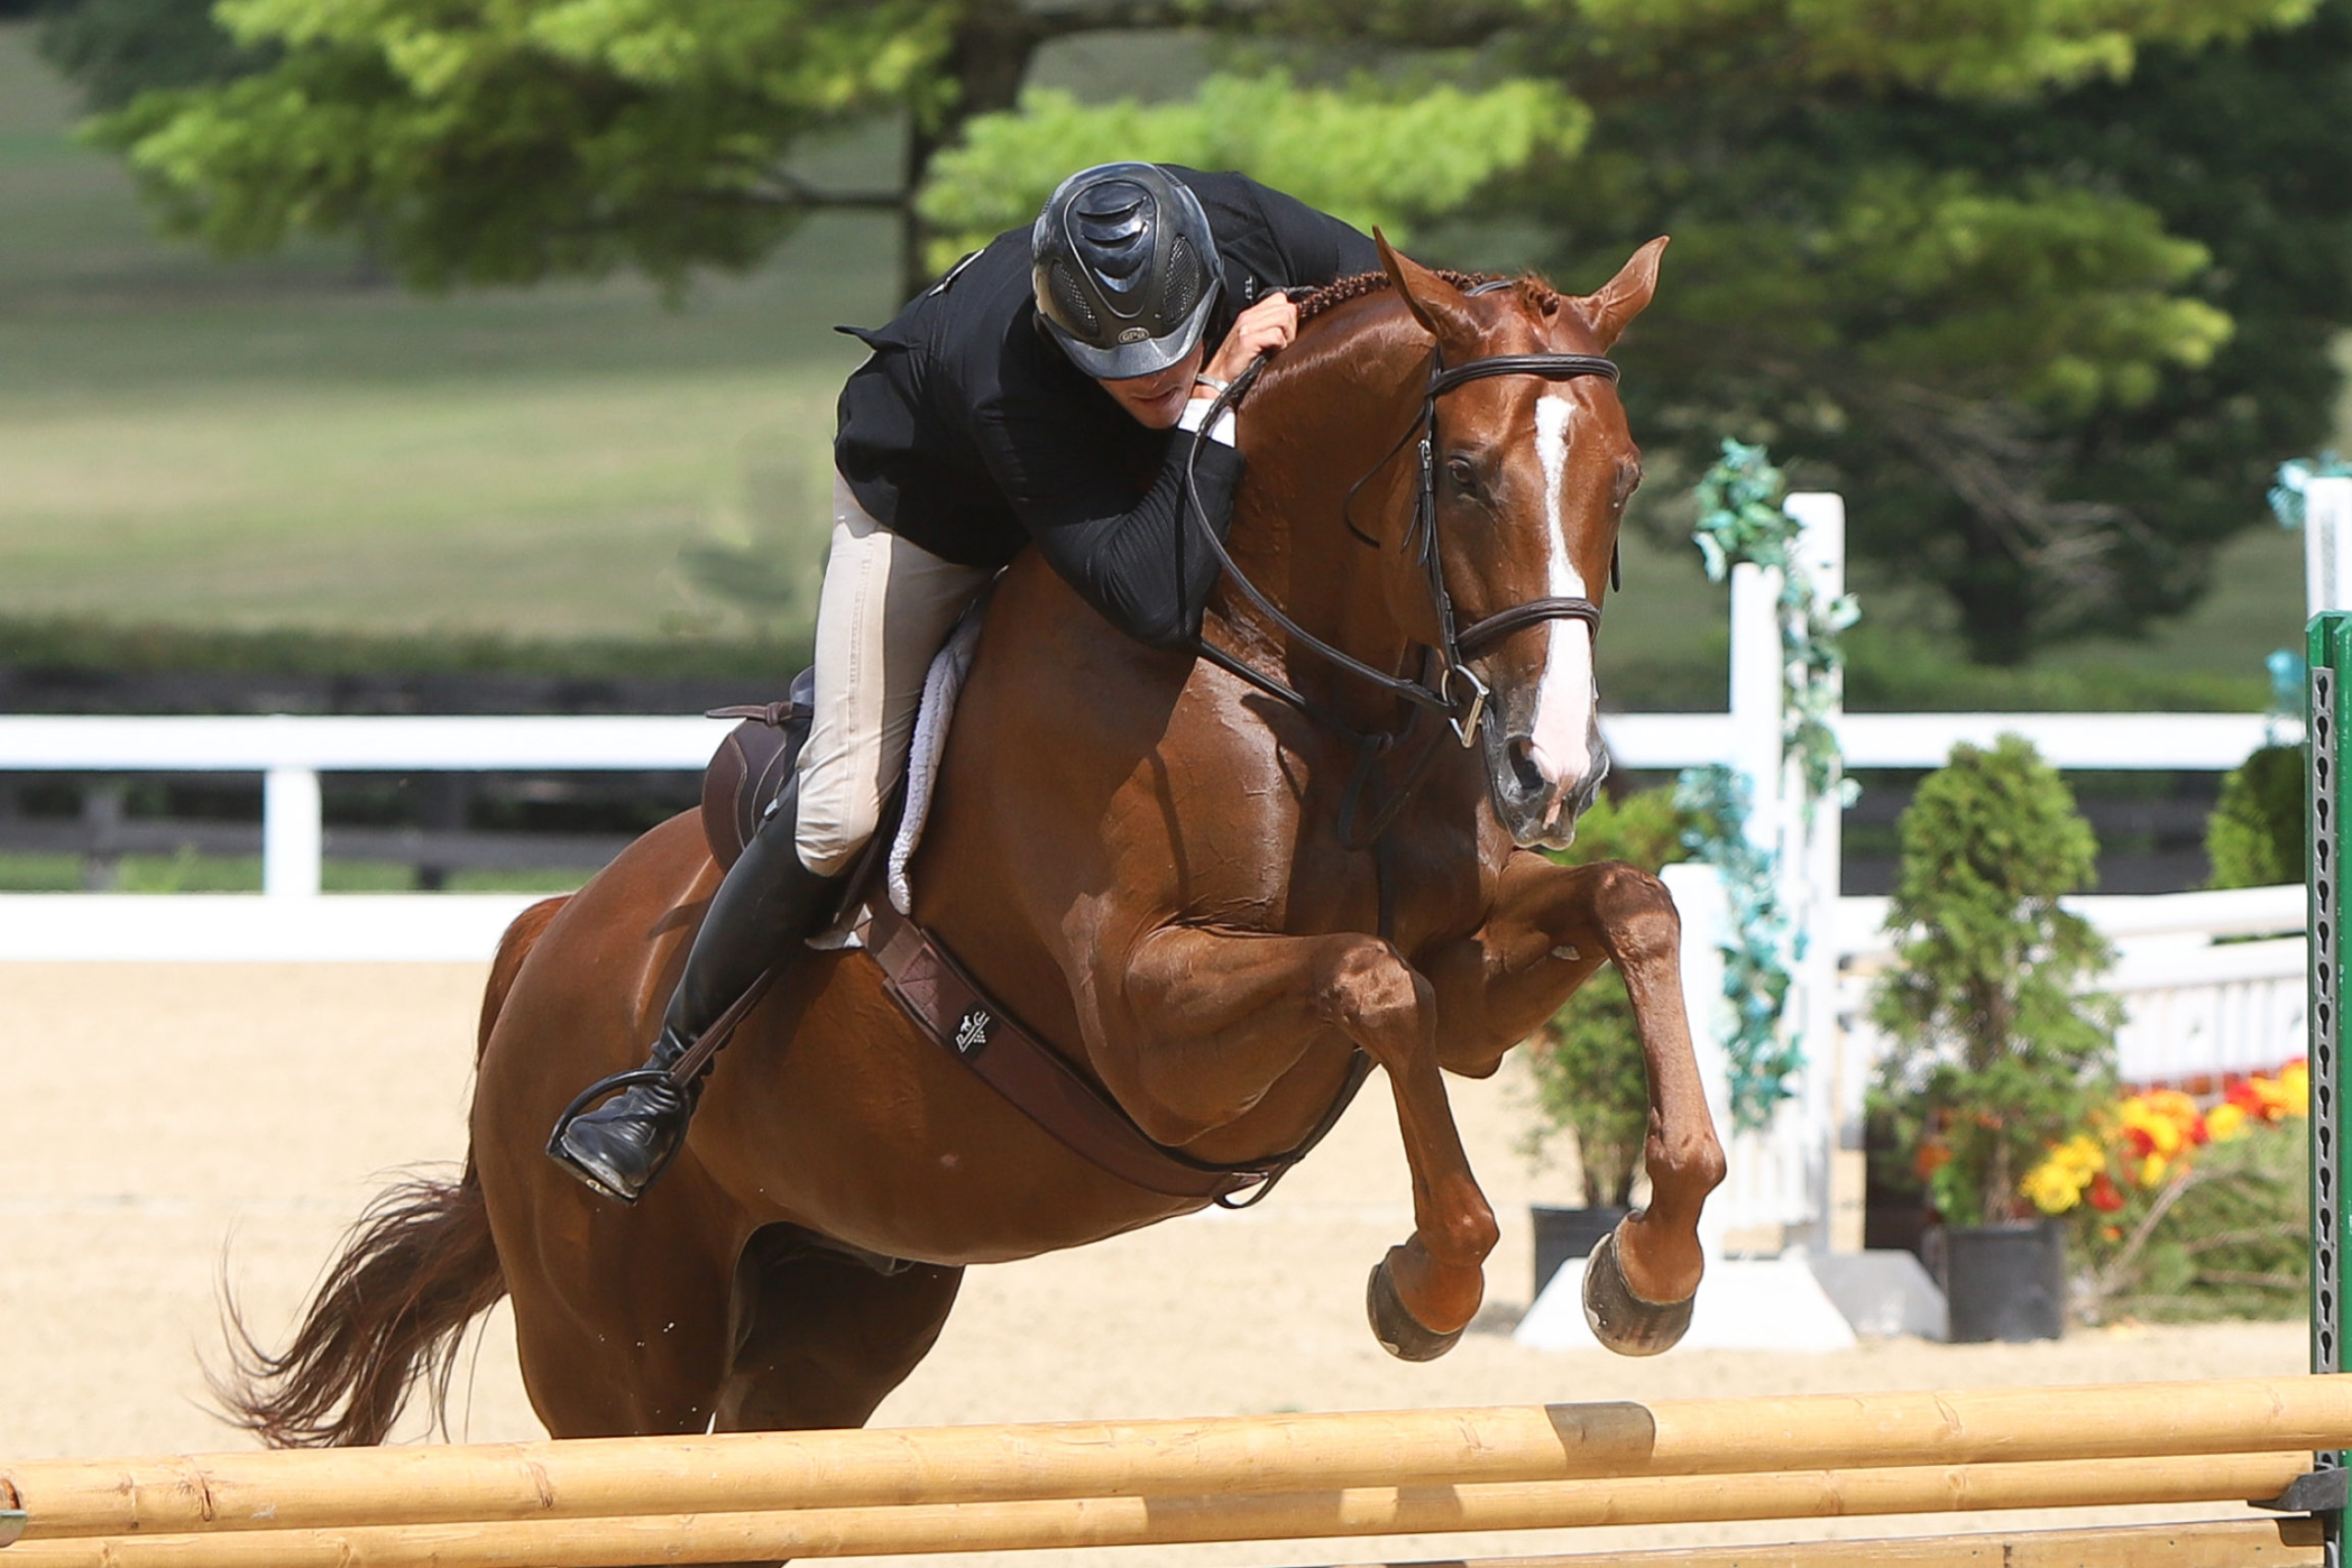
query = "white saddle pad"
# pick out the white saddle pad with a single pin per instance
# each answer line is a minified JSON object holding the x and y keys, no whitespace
{"x":941,"y":686}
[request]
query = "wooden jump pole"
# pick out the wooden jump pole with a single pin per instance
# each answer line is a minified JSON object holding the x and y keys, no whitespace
{"x":2289,"y":1543}
{"x":1067,"y":1523}
{"x":759,"y":1471}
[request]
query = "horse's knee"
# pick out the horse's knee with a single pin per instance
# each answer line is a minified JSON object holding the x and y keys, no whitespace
{"x":1637,"y":912}
{"x":1368,"y":989}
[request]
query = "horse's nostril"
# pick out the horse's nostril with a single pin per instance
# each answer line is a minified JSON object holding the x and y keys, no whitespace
{"x":1525,"y":767}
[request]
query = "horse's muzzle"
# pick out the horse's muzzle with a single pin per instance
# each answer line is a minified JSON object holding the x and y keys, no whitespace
{"x":1536,"y":799}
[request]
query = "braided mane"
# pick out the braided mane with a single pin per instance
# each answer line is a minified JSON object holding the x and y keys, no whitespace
{"x":1539,"y":296}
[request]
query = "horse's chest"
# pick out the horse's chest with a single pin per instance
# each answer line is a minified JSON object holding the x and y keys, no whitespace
{"x":1257,"y":846}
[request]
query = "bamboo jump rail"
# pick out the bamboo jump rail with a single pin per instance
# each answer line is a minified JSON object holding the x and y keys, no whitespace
{"x":2291,"y":1542}
{"x":1065,"y":1523}
{"x":837,"y":1470}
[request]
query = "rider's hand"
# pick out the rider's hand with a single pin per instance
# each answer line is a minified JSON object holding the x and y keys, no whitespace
{"x":1268,"y":325}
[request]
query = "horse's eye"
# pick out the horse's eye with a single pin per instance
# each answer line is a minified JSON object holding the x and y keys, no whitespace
{"x":1464,"y":473}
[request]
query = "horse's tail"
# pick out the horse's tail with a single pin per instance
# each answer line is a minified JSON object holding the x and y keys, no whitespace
{"x":417,"y":1267}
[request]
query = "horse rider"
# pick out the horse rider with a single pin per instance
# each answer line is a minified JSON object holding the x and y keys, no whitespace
{"x":1050,"y":390}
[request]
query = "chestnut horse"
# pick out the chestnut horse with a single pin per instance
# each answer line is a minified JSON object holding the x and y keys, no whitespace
{"x":1137,"y":852}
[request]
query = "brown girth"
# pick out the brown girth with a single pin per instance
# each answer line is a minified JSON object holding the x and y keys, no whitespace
{"x":950,"y":1007}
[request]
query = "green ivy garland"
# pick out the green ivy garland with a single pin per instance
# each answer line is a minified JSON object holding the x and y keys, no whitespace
{"x":1740,"y":520}
{"x":1763,"y":946}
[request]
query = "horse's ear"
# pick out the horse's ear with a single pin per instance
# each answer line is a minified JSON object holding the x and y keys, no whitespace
{"x":1624,"y":296}
{"x":1435,"y":303}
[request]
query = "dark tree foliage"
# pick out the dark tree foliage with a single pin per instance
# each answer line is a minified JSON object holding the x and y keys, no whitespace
{"x":115,"y":50}
{"x":2044,"y":501}
{"x":2240,"y":149}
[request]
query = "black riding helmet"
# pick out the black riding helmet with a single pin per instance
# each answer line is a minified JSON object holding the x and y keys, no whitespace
{"x":1124,"y":268}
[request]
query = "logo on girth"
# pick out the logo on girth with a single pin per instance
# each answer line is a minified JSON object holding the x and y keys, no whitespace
{"x":972,"y":1030}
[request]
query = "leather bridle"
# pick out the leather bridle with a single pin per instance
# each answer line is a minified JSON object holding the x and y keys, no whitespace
{"x":1456,"y":693}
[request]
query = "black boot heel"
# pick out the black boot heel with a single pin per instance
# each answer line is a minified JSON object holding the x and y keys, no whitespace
{"x":619,"y":1148}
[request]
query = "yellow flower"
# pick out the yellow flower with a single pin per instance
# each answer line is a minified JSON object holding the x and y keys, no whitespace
{"x":2052,"y":1190}
{"x":2080,"y":1155}
{"x":2056,"y":1184}
{"x":2295,"y":1088}
{"x":2225,"y":1123}
{"x":2150,"y":1117}
{"x":2151,"y":1170}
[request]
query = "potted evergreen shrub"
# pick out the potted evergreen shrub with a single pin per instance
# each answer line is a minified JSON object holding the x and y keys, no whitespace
{"x":1997,"y":1054}
{"x":1590,"y":1078}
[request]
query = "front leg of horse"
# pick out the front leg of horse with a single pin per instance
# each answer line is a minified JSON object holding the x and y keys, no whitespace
{"x":1551,"y":927}
{"x":1224,"y":1015}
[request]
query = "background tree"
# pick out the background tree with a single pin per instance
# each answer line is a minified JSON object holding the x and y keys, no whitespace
{"x":2048,"y":308}
{"x":506,"y":144}
{"x":2045,"y":289}
{"x":116,"y":49}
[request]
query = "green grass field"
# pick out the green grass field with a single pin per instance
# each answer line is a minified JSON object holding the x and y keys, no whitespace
{"x":279,"y":444}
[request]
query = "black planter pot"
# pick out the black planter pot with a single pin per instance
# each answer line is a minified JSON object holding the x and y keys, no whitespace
{"x":2003,"y":1282}
{"x":1565,"y":1234}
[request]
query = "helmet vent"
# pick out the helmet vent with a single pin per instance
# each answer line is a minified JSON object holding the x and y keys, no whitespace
{"x":1070,"y":305}
{"x":1184,"y":279}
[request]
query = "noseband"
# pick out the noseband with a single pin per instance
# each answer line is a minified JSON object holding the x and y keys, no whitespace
{"x":1463,"y":708}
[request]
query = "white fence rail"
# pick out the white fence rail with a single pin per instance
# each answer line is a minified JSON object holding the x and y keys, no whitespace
{"x":290,"y":751}
{"x":2185,"y":742}
{"x":2210,"y":982}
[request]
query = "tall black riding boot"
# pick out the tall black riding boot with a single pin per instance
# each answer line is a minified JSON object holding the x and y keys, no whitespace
{"x":760,"y":919}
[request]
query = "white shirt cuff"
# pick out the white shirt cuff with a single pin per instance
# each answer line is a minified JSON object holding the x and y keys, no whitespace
{"x":1198,"y":410}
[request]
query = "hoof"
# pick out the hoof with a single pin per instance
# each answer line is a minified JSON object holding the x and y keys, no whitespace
{"x":1399,"y":1333}
{"x":1622,"y":1320}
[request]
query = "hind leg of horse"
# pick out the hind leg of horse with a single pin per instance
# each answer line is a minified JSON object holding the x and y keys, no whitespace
{"x":1550,"y":928}
{"x":1223,"y":1015}
{"x":620,"y":1314}
{"x":634,"y":1340}
{"x":821,"y":1337}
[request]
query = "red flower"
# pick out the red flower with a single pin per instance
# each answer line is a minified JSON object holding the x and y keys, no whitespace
{"x":1931,"y":1158}
{"x":2197,"y":1133}
{"x":2103,"y":1194}
{"x":2138,"y":1141}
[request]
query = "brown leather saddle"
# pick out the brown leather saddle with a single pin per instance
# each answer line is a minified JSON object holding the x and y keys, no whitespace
{"x":739,"y":787}
{"x":752,"y":765}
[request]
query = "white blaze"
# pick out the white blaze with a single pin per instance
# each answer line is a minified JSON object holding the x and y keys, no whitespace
{"x":1563,"y":705}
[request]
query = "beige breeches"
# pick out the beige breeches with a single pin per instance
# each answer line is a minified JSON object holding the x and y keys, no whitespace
{"x":886,"y":608}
